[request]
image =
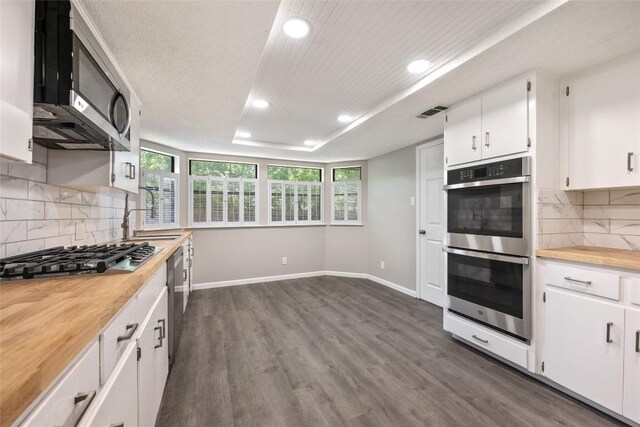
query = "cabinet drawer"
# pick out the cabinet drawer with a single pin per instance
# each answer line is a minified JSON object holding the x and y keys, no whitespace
{"x":113,"y":341}
{"x":489,"y":340}
{"x":71,"y":396}
{"x":578,"y":279}
{"x":148,"y":294}
{"x":117,"y":403}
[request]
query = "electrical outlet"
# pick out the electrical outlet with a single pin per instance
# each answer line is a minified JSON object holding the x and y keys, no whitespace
{"x":284,"y":260}
{"x":381,"y":265}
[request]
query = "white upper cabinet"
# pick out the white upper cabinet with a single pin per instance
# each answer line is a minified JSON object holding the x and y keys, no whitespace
{"x":491,"y":125}
{"x":16,"y":78}
{"x":505,"y":120}
{"x":126,"y":164}
{"x":601,"y":115}
{"x":463,"y":133}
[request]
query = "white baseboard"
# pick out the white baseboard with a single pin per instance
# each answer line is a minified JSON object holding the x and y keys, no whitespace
{"x":393,"y":286}
{"x":237,"y":282}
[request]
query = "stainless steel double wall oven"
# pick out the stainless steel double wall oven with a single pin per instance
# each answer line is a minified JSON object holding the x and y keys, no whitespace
{"x":488,"y":244}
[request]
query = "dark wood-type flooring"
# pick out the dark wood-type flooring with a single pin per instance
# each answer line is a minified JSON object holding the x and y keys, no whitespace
{"x":329,"y":351}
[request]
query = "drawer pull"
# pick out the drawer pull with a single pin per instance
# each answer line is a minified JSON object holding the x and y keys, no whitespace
{"x":80,"y":405}
{"x":116,"y":425}
{"x":609,"y":325}
{"x":184,"y":274}
{"x":480,"y":339}
{"x":638,"y":341}
{"x":158,"y":328}
{"x":131,"y":329}
{"x":584,"y":282}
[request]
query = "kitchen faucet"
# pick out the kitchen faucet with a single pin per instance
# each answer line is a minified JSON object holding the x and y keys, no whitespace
{"x":127,"y":211}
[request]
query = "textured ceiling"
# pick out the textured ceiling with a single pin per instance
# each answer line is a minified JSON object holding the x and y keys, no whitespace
{"x":193,"y":64}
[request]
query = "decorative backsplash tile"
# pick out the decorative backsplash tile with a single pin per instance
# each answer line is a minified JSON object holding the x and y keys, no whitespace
{"x":608,"y":218}
{"x":35,"y":215}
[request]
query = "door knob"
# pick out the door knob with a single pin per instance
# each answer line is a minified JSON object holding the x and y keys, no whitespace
{"x":422,"y":232}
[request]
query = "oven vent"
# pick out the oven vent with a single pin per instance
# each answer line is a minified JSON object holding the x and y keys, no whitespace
{"x":431,"y":112}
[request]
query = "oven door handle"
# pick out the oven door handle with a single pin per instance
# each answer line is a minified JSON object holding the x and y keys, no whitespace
{"x":484,"y":255}
{"x":502,"y":181}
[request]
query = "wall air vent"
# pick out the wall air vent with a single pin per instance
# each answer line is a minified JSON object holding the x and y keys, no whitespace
{"x":431,"y":112}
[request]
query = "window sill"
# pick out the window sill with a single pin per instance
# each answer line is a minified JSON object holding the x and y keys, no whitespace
{"x":346,"y":224}
{"x":227,"y":227}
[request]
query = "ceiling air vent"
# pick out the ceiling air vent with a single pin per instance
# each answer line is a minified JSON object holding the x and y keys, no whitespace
{"x":431,"y":112}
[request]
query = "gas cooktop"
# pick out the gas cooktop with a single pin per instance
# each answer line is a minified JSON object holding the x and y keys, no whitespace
{"x":73,"y":260}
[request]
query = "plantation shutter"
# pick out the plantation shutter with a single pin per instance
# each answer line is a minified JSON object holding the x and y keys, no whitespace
{"x":346,"y":200}
{"x":164,"y":186}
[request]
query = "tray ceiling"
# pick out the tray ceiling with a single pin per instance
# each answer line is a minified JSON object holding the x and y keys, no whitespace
{"x":198,"y":65}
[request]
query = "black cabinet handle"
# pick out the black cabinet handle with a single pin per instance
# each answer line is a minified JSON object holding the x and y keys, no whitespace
{"x":638,"y":341}
{"x":131,"y":329}
{"x":609,"y":325}
{"x":629,"y":157}
{"x":158,"y":328}
{"x":80,"y":404}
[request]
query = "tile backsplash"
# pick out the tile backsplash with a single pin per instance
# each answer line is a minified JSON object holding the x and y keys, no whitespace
{"x":35,"y":215}
{"x":608,"y":218}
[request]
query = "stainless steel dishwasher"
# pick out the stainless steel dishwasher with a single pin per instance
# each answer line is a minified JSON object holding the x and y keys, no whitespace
{"x":175,"y":285}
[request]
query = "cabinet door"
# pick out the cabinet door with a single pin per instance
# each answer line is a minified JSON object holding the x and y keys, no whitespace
{"x":631,"y":404}
{"x":118,"y":400}
{"x":161,"y":354}
{"x":16,"y":78}
{"x":505,"y":119}
{"x":153,"y":365}
{"x":462,"y":133}
{"x":602,"y":120}
{"x":126,"y":164}
{"x":583,"y":346}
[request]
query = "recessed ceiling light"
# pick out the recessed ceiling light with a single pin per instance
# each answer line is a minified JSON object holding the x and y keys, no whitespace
{"x":309,"y":142}
{"x":345,"y":118}
{"x":243,"y":134}
{"x":260,"y":103}
{"x":296,"y":28}
{"x":419,"y":66}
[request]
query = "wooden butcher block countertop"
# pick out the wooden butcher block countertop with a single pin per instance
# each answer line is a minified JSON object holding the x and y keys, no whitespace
{"x":607,"y":257}
{"x":46,"y":323}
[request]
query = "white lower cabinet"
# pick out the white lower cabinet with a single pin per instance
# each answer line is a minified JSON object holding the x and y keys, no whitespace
{"x":153,"y":366}
{"x":584,"y":346}
{"x":631,"y":403}
{"x":120,"y":380}
{"x":117,"y":402}
{"x":71,"y":396}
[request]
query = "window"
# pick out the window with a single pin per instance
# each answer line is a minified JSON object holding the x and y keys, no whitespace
{"x":294,"y":173}
{"x":293,"y":202}
{"x":295,"y":194}
{"x":153,"y":160}
{"x":223,"y":193}
{"x":164,"y":212}
{"x":345,"y":195}
{"x":158,"y":176}
{"x":223,"y":169}
{"x":347,"y":174}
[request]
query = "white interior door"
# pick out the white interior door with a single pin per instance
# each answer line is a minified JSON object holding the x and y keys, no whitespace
{"x":431,"y":224}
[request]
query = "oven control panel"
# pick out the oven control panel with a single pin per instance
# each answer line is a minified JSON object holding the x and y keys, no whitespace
{"x":496,"y":170}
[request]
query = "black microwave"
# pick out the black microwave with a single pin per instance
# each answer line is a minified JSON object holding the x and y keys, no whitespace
{"x":80,"y":101}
